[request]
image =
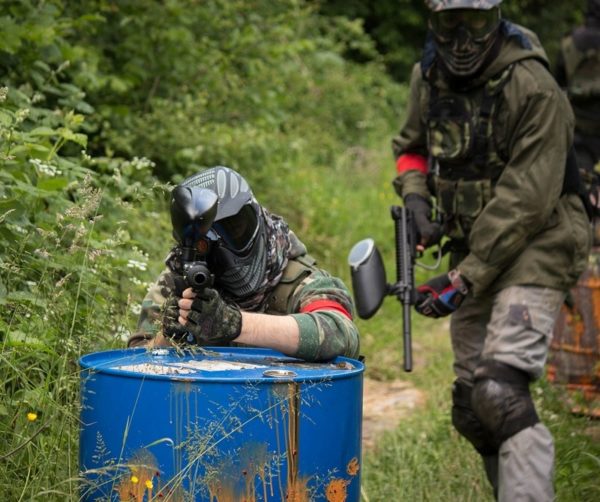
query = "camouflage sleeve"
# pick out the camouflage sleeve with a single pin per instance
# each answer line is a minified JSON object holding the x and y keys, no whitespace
{"x":410,"y":145}
{"x":323,"y":309}
{"x":149,"y":322}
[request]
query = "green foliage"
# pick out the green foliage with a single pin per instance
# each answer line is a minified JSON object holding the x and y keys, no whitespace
{"x":399,"y":27}
{"x":426,"y":459}
{"x":100,"y":100}
{"x":90,"y":93}
{"x":192,"y":84}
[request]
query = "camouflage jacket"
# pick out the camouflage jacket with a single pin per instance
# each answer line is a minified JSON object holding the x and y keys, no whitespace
{"x":517,"y":224}
{"x":320,"y":303}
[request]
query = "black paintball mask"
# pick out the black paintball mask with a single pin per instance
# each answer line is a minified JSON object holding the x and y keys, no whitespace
{"x":466,"y":39}
{"x":216,"y":219}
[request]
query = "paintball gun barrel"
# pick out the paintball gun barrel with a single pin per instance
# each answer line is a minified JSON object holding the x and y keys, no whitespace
{"x":369,"y":278}
{"x":197,"y":276}
{"x":193,"y":210}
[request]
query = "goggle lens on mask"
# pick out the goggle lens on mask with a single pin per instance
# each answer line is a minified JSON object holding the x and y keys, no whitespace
{"x":478,"y":22}
{"x":237,"y":231}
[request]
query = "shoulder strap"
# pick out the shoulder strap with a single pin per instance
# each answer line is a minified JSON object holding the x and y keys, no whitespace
{"x":491,"y":92}
{"x":294,"y":273}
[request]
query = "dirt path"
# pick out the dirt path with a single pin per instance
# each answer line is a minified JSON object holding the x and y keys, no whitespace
{"x":384,"y":406}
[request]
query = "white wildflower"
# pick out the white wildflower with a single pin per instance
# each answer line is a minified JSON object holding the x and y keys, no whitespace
{"x":140,"y":163}
{"x":16,"y":228}
{"x":140,"y":265}
{"x":21,"y":115}
{"x":43,"y":168}
{"x":122,"y":333}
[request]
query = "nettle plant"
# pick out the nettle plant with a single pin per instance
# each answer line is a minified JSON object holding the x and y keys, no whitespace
{"x":72,"y":274}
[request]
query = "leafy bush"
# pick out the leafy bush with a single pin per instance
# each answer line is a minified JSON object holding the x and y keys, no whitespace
{"x":102,"y":103}
{"x":98,"y":98}
{"x":398,"y":27}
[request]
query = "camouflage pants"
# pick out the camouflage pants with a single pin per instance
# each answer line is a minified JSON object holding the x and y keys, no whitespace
{"x":514,"y":327}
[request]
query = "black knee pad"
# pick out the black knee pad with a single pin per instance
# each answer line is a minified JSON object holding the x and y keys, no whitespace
{"x":501,"y":400}
{"x":466,"y":422}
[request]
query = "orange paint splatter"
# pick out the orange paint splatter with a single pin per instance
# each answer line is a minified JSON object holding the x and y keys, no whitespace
{"x":353,"y":467}
{"x":134,"y":487}
{"x":336,"y":490}
{"x":298,"y":491}
{"x":221,"y":493}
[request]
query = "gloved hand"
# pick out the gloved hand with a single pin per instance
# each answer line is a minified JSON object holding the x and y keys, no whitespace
{"x":430,"y":233}
{"x":441,"y":295}
{"x":171,"y":284}
{"x":211,"y":320}
{"x":171,"y":327}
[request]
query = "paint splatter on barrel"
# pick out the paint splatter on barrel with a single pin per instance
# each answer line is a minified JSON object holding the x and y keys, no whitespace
{"x":574,"y":360}
{"x":219,"y":425}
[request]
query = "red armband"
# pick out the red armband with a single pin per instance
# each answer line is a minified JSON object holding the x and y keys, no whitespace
{"x":325,"y":305}
{"x":411,"y":162}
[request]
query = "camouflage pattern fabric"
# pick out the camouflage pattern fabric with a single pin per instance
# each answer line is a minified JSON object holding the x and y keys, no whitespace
{"x":516,"y":224}
{"x":450,"y":128}
{"x":440,"y":5}
{"x":323,"y":333}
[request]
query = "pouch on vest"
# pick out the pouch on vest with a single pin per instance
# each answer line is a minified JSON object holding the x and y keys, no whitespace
{"x":449,"y":128}
{"x":461,"y":202}
{"x":295,"y":272}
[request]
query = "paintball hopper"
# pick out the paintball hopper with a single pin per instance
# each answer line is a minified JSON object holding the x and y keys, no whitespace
{"x":368,"y":278}
{"x":193,"y":211}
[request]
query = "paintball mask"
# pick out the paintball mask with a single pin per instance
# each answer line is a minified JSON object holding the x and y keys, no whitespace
{"x":465,"y":37}
{"x":234,"y":243}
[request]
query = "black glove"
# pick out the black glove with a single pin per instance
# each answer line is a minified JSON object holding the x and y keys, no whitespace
{"x":211,"y":320}
{"x":171,"y":327}
{"x":441,"y":295}
{"x":171,"y":284}
{"x":430,"y":233}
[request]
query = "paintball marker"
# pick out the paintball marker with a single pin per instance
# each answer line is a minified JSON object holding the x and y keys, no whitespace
{"x":193,"y":211}
{"x":369,"y":278}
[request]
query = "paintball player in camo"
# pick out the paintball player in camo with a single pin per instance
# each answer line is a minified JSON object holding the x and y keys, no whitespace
{"x":266,"y":291}
{"x":486,"y":140}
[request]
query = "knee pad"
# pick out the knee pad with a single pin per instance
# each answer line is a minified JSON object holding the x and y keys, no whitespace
{"x":466,"y":422}
{"x":501,"y":400}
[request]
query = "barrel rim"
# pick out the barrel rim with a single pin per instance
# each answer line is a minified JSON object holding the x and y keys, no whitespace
{"x":87,"y":361}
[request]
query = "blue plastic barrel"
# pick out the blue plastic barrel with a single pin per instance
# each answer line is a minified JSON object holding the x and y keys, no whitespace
{"x":219,"y":425}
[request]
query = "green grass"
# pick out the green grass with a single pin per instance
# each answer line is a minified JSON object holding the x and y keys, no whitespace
{"x":90,"y":294}
{"x":425,"y":459}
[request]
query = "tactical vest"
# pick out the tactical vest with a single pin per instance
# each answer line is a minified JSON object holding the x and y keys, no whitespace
{"x":582,"y":70}
{"x":466,"y":162}
{"x":294,"y":273}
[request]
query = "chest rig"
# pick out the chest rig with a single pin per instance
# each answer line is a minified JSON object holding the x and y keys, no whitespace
{"x":465,"y":160}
